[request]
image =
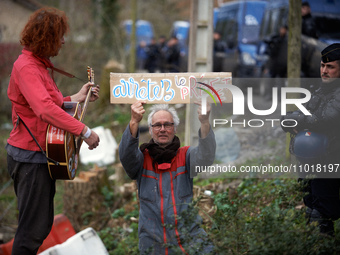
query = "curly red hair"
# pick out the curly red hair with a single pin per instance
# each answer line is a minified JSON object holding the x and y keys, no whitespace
{"x":44,"y":30}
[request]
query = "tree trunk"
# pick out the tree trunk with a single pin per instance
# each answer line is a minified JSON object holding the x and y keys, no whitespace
{"x":132,"y":62}
{"x":294,"y":43}
{"x":294,"y":55}
{"x":83,"y":198}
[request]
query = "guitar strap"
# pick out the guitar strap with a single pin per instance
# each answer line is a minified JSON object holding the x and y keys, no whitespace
{"x":65,"y":73}
{"x":49,"y":64}
{"x":29,"y":131}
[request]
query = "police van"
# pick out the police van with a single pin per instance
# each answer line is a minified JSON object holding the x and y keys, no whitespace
{"x":239,"y":24}
{"x":144,"y":34}
{"x":180,"y":30}
{"x":326,"y":14}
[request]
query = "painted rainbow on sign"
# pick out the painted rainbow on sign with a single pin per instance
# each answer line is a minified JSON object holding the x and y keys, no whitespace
{"x":212,"y":89}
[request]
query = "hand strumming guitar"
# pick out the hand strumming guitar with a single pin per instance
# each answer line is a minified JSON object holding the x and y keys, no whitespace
{"x":90,"y":137}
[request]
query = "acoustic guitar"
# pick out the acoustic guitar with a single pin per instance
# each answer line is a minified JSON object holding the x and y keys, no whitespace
{"x":63,"y":147}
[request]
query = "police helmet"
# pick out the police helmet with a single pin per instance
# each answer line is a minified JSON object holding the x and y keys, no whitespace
{"x":309,"y":147}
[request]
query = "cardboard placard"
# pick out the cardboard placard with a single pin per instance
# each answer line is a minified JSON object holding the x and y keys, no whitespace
{"x":168,"y":88}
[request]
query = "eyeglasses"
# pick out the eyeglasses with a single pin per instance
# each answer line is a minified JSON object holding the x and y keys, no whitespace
{"x":167,"y":126}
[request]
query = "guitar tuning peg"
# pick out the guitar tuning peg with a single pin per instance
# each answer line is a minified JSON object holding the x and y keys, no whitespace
{"x":89,"y":73}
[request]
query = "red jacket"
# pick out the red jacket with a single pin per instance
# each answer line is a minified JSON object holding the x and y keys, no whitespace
{"x":37,"y":100}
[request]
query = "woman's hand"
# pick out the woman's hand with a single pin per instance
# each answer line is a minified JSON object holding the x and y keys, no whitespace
{"x":81,"y":95}
{"x":92,"y":139}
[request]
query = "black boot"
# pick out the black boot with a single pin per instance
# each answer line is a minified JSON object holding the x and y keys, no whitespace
{"x":326,"y":226}
{"x":308,"y":214}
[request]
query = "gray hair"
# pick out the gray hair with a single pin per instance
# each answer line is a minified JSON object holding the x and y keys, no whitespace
{"x":163,"y":107}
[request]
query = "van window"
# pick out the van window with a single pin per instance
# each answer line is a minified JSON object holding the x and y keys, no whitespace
{"x":265,"y":25}
{"x":273,"y":25}
{"x":227,"y":26}
{"x":144,"y":30}
{"x":273,"y":20}
{"x":180,"y":29}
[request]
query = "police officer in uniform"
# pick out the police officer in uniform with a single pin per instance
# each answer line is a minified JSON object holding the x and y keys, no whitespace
{"x":323,"y":126}
{"x":308,"y":22}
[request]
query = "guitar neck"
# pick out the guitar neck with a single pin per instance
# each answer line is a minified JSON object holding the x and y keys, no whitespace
{"x":90,"y":75}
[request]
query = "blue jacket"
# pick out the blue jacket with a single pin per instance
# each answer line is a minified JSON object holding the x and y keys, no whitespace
{"x":165,"y":191}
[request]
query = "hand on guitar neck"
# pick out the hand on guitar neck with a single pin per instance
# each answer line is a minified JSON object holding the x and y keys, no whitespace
{"x":81,"y":95}
{"x":84,"y":95}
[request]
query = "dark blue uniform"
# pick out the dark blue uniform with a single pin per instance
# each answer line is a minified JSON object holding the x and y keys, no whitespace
{"x":322,"y":200}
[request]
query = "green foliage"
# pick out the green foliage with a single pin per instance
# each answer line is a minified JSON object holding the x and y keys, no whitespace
{"x":4,"y":176}
{"x":58,"y":198}
{"x":118,"y":213}
{"x":134,"y":213}
{"x":120,"y":241}
{"x":86,"y":217}
{"x":263,"y":219}
{"x":194,"y":240}
{"x":121,"y":237}
{"x":207,"y":181}
{"x":108,"y":196}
